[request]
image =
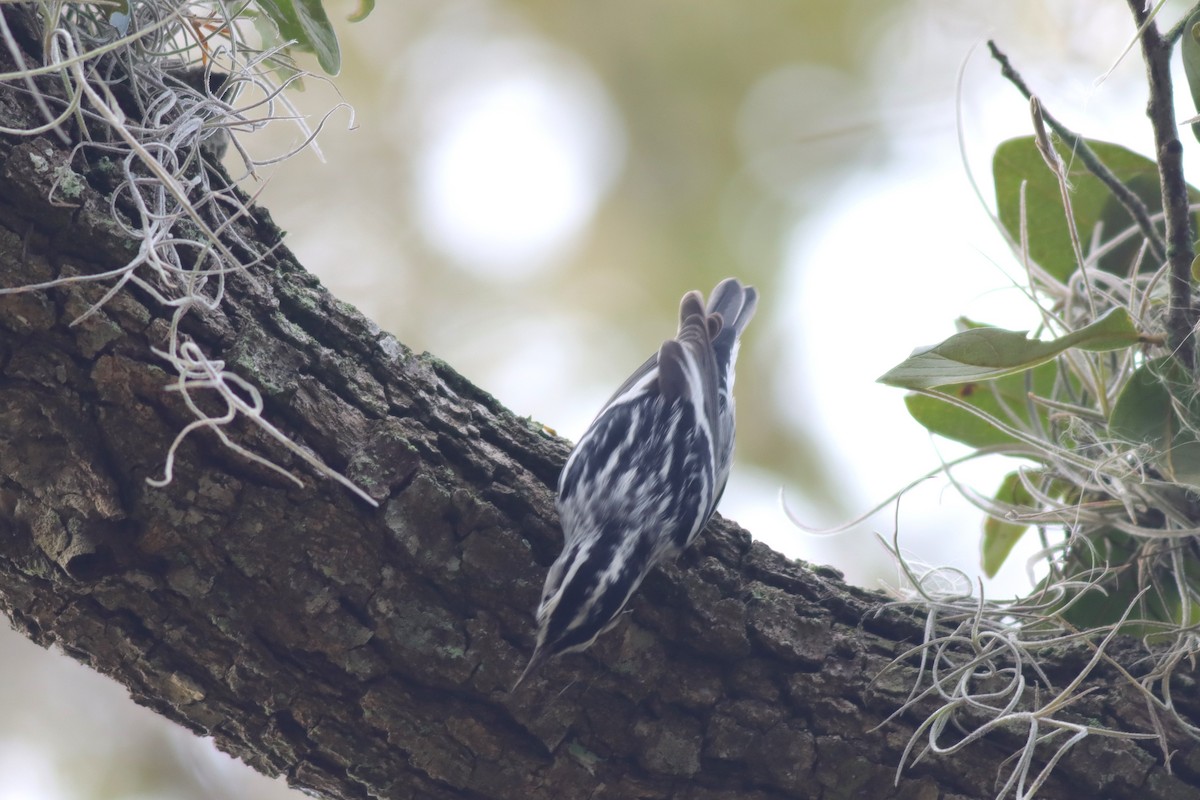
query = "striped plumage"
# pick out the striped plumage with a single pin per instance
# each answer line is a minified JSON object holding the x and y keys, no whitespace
{"x":648,"y":473}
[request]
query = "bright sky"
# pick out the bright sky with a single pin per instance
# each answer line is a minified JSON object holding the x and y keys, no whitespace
{"x":516,"y":159}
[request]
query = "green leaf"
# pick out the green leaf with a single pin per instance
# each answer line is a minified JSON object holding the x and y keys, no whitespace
{"x":999,"y":536}
{"x":983,"y":353}
{"x":1127,"y":573}
{"x":1148,"y":412}
{"x":305,"y":22}
{"x":1004,"y":398}
{"x":1189,"y":48}
{"x":118,"y":16}
{"x":365,"y":7}
{"x":1018,"y":160}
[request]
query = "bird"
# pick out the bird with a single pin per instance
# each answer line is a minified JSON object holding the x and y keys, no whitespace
{"x":646,"y":476}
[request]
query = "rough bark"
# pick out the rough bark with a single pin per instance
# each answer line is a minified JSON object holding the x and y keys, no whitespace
{"x":368,"y":652}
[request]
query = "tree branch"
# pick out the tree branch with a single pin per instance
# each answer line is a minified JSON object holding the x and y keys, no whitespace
{"x":1079,"y":146}
{"x":367,"y":652}
{"x":1156,"y":52}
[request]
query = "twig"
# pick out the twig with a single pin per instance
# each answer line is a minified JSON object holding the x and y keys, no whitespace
{"x":1173,"y":35}
{"x":1124,"y":195}
{"x":1156,"y":52}
{"x":1055,"y":163}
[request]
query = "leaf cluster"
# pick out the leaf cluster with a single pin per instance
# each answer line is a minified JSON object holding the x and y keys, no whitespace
{"x":303,"y":25}
{"x":1105,"y":421}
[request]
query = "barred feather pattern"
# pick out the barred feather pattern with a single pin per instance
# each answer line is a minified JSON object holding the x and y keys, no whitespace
{"x":647,"y":474}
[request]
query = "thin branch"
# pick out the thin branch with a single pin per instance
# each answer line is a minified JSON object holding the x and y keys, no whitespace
{"x":1156,"y":52}
{"x":1173,"y":35}
{"x":1123,"y":194}
{"x":1056,"y":166}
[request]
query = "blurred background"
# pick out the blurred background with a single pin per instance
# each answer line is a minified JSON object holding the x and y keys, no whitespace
{"x":526,"y":189}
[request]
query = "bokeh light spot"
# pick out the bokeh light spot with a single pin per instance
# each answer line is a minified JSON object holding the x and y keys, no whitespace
{"x":516,"y":160}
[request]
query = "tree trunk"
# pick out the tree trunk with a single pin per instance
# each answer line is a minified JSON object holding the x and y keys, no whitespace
{"x":368,"y":652}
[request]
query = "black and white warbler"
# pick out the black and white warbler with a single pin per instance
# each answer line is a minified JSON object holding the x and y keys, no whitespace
{"x":647,"y":474}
